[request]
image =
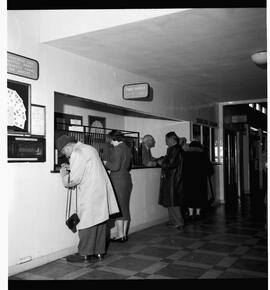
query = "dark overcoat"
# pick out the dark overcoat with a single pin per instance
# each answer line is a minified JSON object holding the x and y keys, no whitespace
{"x":171,"y":179}
{"x":196,"y":168}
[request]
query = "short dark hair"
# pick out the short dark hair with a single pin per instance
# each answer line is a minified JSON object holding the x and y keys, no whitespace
{"x":172,"y":135}
{"x":116,"y":135}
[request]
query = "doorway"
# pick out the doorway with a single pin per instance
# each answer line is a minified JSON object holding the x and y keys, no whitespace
{"x":245,"y":174}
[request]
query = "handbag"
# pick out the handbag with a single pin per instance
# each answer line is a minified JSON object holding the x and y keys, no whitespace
{"x":73,"y":220}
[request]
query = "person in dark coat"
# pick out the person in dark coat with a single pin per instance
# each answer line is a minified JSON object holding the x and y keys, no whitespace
{"x":119,"y":165}
{"x":197,"y":169}
{"x":171,"y":181}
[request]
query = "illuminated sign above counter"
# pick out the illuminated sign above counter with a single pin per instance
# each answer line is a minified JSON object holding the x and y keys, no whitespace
{"x":136,"y":91}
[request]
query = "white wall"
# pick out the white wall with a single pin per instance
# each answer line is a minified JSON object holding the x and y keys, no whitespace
{"x":36,"y":197}
{"x":64,"y":105}
{"x":158,"y":129}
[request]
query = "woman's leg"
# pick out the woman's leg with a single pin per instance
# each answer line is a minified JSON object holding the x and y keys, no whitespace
{"x":120,"y":228}
{"x":126,"y":222}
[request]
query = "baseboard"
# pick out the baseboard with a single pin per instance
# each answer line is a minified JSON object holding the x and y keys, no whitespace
{"x":15,"y":269}
{"x":147,"y":225}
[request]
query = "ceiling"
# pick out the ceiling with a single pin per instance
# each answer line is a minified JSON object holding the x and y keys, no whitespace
{"x":205,"y":50}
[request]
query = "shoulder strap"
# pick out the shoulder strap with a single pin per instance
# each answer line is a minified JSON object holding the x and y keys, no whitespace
{"x":69,"y":197}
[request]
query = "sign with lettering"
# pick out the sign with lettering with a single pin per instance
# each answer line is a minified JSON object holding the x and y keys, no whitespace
{"x":239,"y":119}
{"x":22,"y":66}
{"x":135,"y":91}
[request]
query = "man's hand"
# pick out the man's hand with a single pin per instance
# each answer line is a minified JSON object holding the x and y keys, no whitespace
{"x":64,"y":170}
{"x":160,"y":160}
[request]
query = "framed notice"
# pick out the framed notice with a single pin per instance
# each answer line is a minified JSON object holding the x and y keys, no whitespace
{"x":19,"y":100}
{"x":22,"y":66}
{"x":38,"y":120}
{"x":136,"y":91}
{"x":97,"y":124}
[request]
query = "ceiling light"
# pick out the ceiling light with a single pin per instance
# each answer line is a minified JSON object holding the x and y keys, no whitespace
{"x":260,"y":58}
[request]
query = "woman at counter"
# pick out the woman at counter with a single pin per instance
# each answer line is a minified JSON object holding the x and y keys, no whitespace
{"x":119,"y":165}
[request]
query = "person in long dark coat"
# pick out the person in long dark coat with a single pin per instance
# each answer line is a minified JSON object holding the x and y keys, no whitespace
{"x":171,"y":181}
{"x":119,"y":165}
{"x":197,"y":170}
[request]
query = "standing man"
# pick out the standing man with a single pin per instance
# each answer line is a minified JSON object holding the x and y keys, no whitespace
{"x":96,"y":199}
{"x":148,"y":142}
{"x":171,"y":181}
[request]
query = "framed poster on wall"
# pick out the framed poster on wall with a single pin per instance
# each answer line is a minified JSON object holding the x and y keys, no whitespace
{"x":97,"y":124}
{"x":19,"y":107}
{"x":38,"y":120}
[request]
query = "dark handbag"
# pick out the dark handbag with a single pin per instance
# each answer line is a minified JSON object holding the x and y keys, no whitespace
{"x":73,"y":220}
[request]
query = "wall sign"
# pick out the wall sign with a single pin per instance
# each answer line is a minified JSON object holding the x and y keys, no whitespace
{"x":22,"y":66}
{"x":135,"y":91}
{"x":206,"y":122}
{"x":239,"y":119}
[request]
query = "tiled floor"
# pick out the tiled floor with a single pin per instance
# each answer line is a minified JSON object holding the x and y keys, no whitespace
{"x":220,"y":246}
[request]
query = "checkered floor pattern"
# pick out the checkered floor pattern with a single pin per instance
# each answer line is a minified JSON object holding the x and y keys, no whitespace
{"x":220,"y":246}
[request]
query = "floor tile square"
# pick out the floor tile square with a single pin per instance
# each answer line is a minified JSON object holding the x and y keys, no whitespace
{"x":142,"y":275}
{"x":177,"y":242}
{"x":133,"y":264}
{"x":156,"y":252}
{"x":257,"y":252}
{"x":250,"y":265}
{"x":100,"y":275}
{"x":230,"y":238}
{"x":262,"y":242}
{"x":167,"y":260}
{"x":194,"y":235}
{"x":208,"y":259}
{"x":224,"y":248}
{"x":240,"y":231}
{"x":233,"y":275}
{"x":180,"y":272}
{"x":55,"y":269}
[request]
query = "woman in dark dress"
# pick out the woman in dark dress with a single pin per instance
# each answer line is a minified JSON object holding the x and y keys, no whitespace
{"x":119,"y":165}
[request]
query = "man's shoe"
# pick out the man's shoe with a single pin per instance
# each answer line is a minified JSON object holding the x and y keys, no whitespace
{"x":77,"y":258}
{"x":99,"y":257}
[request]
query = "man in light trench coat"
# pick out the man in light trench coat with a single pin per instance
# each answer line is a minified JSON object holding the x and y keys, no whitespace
{"x":95,"y":197}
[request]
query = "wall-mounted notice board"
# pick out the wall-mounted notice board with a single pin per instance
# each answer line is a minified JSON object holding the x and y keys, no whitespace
{"x":22,"y":66}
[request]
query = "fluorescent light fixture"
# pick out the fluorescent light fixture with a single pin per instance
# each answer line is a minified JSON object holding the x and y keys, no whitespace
{"x":251,"y":105}
{"x":253,"y":129}
{"x":258,"y":107}
{"x":264,"y":110}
